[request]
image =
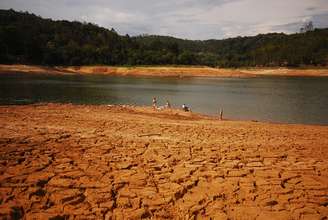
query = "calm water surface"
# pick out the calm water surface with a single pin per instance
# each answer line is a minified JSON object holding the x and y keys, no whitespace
{"x":278,"y":99}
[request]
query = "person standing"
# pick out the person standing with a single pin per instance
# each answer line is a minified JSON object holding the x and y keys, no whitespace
{"x":154,"y":103}
{"x":168,"y":105}
{"x":221,"y":114}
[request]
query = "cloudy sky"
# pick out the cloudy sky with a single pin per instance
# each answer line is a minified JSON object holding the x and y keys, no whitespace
{"x":190,"y":19}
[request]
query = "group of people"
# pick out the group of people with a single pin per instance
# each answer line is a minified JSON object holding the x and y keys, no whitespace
{"x":155,"y":106}
{"x":168,"y":105}
{"x":184,"y":107}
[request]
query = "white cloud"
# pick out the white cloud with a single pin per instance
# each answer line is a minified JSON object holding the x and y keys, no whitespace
{"x":191,"y":19}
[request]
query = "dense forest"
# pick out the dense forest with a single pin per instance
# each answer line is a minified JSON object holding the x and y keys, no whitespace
{"x":29,"y":39}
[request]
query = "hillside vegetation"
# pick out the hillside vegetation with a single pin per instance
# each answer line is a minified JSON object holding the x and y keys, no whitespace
{"x":29,"y":39}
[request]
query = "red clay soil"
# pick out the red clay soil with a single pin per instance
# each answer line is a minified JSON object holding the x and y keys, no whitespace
{"x":116,"y":162}
{"x":191,"y":71}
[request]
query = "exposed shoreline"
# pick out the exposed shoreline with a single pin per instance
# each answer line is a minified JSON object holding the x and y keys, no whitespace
{"x":173,"y":112}
{"x":124,"y":162}
{"x":166,"y":71}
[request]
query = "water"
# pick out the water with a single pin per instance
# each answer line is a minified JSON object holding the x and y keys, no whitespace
{"x":277,"y":99}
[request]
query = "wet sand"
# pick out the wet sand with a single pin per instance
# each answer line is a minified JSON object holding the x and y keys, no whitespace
{"x":188,"y":71}
{"x":116,"y":162}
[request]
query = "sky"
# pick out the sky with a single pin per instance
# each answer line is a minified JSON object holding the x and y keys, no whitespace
{"x":187,"y":19}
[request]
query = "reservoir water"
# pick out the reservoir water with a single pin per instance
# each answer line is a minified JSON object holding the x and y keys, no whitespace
{"x":275,"y":99}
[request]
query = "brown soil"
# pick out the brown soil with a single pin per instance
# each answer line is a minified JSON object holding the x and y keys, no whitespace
{"x":165,"y":71}
{"x":117,"y":162}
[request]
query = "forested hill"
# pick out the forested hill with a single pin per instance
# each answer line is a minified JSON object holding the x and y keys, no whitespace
{"x":28,"y":39}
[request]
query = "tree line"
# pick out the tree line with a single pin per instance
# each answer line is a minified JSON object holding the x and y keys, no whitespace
{"x":29,"y":39}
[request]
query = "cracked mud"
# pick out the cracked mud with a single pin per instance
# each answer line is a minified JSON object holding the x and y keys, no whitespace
{"x":113,"y":162}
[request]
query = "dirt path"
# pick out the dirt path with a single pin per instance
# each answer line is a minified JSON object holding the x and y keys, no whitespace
{"x":101,"y":162}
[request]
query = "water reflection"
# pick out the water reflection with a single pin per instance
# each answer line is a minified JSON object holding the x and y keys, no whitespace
{"x":283,"y":99}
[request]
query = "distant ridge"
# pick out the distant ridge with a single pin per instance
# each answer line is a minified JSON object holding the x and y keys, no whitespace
{"x":29,"y":39}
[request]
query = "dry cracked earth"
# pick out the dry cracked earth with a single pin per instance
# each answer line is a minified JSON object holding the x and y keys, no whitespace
{"x":115,"y":162}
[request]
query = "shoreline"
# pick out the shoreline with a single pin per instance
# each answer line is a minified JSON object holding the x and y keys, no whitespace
{"x":164,"y":112}
{"x":166,"y":71}
{"x":121,"y":162}
{"x":172,"y":113}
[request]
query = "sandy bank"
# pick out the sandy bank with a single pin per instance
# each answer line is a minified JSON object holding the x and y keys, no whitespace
{"x":165,"y":71}
{"x":104,"y":162}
